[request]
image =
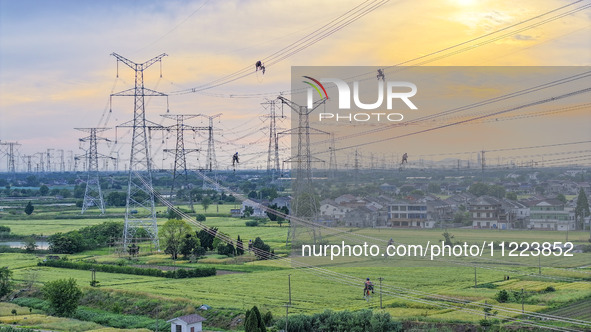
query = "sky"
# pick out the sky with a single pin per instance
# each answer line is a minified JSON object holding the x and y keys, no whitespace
{"x":56,"y":72}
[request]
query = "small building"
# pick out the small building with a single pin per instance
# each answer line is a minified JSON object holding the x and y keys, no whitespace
{"x":258,"y":207}
{"x":188,"y":323}
{"x":550,"y":214}
{"x":486,"y":213}
{"x":408,"y":215}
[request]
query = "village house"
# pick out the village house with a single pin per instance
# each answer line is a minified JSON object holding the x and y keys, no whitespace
{"x":188,"y":323}
{"x":550,"y":214}
{"x":408,"y":215}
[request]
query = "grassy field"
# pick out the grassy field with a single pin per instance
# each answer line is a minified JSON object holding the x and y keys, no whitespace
{"x":37,"y":320}
{"x":409,"y":285}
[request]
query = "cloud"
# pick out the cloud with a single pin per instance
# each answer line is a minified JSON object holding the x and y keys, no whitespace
{"x":523,"y":37}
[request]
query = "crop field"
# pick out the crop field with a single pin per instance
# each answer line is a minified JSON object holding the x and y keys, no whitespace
{"x":37,"y":320}
{"x":409,"y":287}
{"x":49,"y":227}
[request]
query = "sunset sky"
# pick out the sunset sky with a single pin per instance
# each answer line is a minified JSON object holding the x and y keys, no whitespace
{"x":56,"y":72}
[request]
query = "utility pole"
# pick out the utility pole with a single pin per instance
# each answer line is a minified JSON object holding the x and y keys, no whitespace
{"x":286,"y":316}
{"x":380,"y":279}
{"x":93,"y":194}
{"x":482,"y":161}
{"x":180,"y":153}
{"x":139,"y":207}
{"x":289,"y":283}
{"x":522,"y":304}
{"x":304,"y":204}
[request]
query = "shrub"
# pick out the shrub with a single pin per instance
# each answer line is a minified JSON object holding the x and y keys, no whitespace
{"x":502,"y":296}
{"x":200,"y":217}
{"x":192,"y":273}
{"x":252,"y":223}
{"x":63,"y":296}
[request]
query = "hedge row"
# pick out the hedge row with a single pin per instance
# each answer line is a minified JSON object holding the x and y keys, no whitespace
{"x":176,"y":274}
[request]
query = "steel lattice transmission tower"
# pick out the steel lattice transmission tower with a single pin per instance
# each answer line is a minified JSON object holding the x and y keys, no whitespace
{"x":10,"y":154}
{"x":27,"y":160}
{"x":273,"y":151}
{"x":305,"y":205}
{"x":211,"y":162}
{"x":139,"y":207}
{"x":62,"y":161}
{"x":41,"y":164}
{"x":48,"y":160}
{"x":93,"y":195}
{"x":180,"y":153}
{"x":332,"y":163}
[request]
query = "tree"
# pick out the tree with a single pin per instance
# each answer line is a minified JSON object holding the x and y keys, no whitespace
{"x":116,"y":198}
{"x":239,"y":246}
{"x":478,"y":189}
{"x":43,"y":190}
{"x":248,"y":211}
{"x":205,"y":202}
{"x":502,"y":296}
{"x":173,"y":232}
{"x":447,"y":236}
{"x":29,"y":208}
{"x":511,"y":195}
{"x":561,"y":198}
{"x":191,"y":245}
{"x":30,"y":244}
{"x":63,"y":296}
{"x":434,"y":188}
{"x":263,"y":251}
{"x":582,"y":208}
{"x":68,"y":243}
{"x":253,"y":321}
{"x":206,"y":237}
{"x":5,"y":281}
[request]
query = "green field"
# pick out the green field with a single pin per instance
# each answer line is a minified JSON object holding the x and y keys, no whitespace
{"x":410,"y":287}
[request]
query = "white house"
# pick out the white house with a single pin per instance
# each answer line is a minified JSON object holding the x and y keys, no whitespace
{"x":258,"y":207}
{"x":332,"y":210}
{"x":188,"y":323}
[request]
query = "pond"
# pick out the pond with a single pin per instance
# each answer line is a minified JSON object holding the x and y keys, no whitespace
{"x":19,"y":244}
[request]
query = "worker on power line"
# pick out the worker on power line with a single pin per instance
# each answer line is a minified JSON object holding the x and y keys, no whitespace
{"x":404,"y":158}
{"x":368,"y":286}
{"x":260,"y":65}
{"x":235,"y":159}
{"x":381,"y":75}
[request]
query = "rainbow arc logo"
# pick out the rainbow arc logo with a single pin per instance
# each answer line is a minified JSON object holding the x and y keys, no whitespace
{"x":316,"y":87}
